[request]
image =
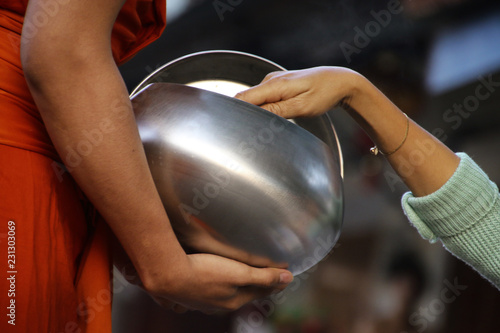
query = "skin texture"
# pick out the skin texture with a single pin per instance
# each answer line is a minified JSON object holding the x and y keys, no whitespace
{"x":422,"y":162}
{"x":75,"y":43}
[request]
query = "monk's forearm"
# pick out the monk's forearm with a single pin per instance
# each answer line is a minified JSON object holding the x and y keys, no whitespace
{"x":89,"y":118}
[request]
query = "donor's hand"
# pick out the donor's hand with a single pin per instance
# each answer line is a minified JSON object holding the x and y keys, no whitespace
{"x":303,"y":93}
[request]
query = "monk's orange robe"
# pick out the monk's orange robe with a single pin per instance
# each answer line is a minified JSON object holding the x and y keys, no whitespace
{"x":55,"y":263}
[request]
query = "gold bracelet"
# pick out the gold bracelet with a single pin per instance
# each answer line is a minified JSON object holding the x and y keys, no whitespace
{"x":374,"y":150}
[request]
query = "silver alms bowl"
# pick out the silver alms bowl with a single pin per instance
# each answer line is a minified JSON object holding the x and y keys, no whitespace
{"x":237,"y":180}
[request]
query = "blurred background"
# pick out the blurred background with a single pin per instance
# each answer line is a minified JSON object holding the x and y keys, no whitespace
{"x":431,"y":57}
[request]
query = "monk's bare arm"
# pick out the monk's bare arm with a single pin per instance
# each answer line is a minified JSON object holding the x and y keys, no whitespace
{"x":78,"y":89}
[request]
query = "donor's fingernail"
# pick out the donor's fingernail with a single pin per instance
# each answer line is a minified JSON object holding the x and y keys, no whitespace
{"x":286,"y":277}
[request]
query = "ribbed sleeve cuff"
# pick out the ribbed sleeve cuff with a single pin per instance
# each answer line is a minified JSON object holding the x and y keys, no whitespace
{"x":462,"y":201}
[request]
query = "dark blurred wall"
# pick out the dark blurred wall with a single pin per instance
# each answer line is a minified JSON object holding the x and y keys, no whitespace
{"x":295,"y":34}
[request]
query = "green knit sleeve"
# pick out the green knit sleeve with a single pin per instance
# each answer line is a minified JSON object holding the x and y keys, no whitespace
{"x":465,"y":215}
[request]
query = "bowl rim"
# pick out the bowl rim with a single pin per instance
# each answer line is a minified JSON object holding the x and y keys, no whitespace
{"x":160,"y":70}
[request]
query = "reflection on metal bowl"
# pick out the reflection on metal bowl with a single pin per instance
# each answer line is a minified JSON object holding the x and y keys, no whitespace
{"x":239,"y":181}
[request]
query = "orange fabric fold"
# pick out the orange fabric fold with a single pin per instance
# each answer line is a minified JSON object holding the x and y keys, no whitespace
{"x":139,"y":23}
{"x":61,"y":276}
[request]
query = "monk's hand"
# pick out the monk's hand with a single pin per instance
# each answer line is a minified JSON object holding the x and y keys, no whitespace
{"x":211,"y":283}
{"x":303,"y":93}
